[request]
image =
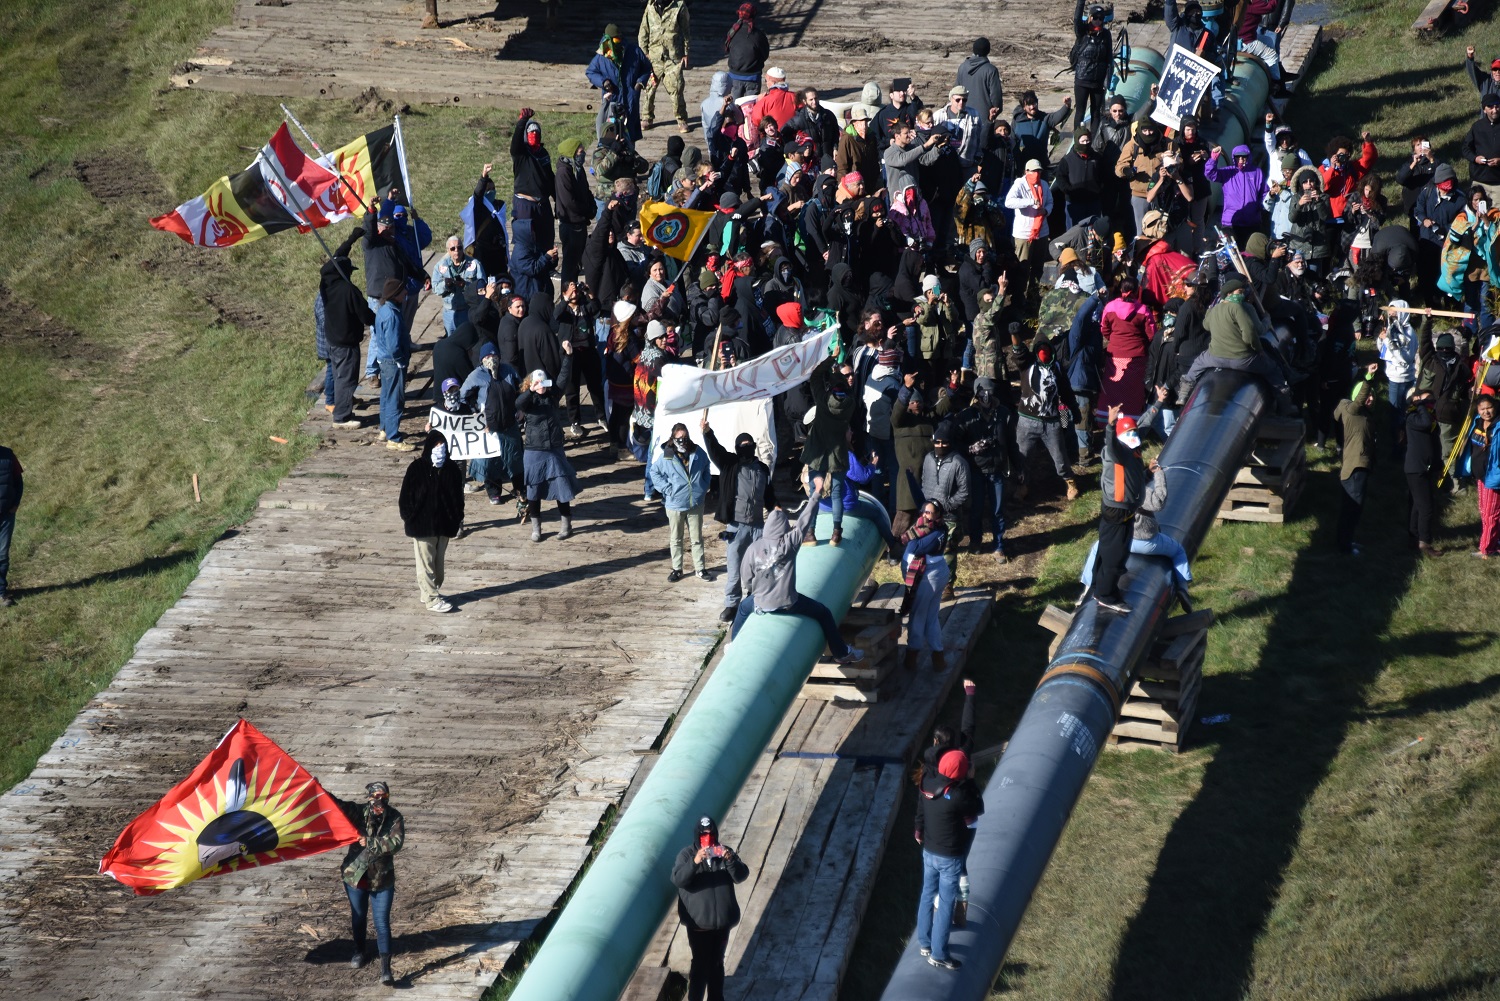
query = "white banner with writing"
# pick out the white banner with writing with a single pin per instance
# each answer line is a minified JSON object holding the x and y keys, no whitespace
{"x":685,"y":388}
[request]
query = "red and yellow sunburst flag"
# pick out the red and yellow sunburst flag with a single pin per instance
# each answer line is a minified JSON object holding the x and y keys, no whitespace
{"x":246,"y":804}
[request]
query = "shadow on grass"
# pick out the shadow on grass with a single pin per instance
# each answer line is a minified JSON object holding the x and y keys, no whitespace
{"x":145,"y":568}
{"x":1203,"y":912}
{"x":1453,"y":990}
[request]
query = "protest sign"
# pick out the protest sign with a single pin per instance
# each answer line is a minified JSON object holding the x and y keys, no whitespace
{"x":1184,"y":81}
{"x":683,"y":389}
{"x":728,"y":421}
{"x":467,"y":438}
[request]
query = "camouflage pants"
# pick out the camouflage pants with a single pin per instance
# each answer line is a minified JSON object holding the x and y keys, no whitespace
{"x":667,"y":73}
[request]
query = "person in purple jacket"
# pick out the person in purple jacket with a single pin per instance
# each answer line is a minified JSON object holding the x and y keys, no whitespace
{"x":1244,"y":187}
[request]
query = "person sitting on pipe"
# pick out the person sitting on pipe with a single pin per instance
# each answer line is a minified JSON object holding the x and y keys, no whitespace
{"x":1235,"y":331}
{"x":768,"y":575}
{"x":1122,"y":482}
{"x":1147,"y":538}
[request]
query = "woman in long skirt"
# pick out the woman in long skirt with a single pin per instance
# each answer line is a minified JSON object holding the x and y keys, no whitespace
{"x":549,"y":474}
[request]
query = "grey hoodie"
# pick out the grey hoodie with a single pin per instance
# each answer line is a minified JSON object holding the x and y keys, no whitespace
{"x":713,"y":107}
{"x":768,"y":570}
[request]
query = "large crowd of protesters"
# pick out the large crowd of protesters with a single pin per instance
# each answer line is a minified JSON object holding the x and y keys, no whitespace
{"x":998,"y":291}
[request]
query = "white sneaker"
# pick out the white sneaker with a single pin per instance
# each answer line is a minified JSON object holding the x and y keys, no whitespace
{"x":854,"y":656}
{"x":439,"y":605}
{"x":473,"y":487}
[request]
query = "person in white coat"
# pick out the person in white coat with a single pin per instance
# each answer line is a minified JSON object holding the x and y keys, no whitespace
{"x":1398,"y":350}
{"x":1030,"y":197}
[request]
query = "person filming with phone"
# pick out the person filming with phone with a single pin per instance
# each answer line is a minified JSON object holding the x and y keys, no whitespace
{"x":705,"y":874}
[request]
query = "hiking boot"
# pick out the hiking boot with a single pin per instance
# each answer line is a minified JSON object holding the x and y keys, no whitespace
{"x":328,"y":407}
{"x":1072,"y":488}
{"x":944,"y":964}
{"x":370,"y":382}
{"x":351,"y":424}
{"x":1428,"y":549}
{"x":567,"y":528}
{"x":674,"y":576}
{"x":385,"y":969}
{"x":948,"y":594}
{"x":810,"y":539}
{"x":536,"y":529}
{"x":1113,"y":604}
{"x":727,"y":615}
{"x":838,"y":536}
{"x":399,"y":446}
{"x":647,"y":122}
{"x":357,"y":961}
{"x":439,"y":605}
{"x":853,"y":656}
{"x":429,"y":22}
{"x":682,"y":128}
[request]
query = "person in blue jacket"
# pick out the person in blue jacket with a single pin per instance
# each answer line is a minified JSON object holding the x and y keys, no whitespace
{"x":619,"y":70}
{"x":680,"y":475}
{"x":1085,"y":355}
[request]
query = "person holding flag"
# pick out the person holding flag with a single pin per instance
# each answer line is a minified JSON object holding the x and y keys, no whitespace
{"x":368,"y":872}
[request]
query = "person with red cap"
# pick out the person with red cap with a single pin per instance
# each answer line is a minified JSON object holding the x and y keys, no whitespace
{"x":1122,"y":483}
{"x":1488,"y":86}
{"x":947,"y":810}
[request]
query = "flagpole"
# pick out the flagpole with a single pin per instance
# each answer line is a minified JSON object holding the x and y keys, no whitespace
{"x":301,"y":218}
{"x":401,"y":155}
{"x":342,"y":176}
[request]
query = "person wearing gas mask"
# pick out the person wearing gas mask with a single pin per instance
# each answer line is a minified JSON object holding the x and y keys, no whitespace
{"x":825,"y":453}
{"x":368,"y":871}
{"x":705,"y":874}
{"x":745,"y":494}
{"x":681,"y":475}
{"x":432,"y":511}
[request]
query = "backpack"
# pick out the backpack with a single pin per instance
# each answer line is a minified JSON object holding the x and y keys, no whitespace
{"x":658,"y":181}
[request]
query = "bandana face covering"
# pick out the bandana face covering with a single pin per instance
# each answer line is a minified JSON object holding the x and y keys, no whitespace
{"x":439,"y":456}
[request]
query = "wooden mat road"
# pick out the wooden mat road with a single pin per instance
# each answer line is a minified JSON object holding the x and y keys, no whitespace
{"x":506,"y":730}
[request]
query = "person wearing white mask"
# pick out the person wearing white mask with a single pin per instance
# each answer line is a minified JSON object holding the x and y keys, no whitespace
{"x":432,"y":511}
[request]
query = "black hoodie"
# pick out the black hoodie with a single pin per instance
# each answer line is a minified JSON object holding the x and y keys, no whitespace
{"x":450,"y":357}
{"x":705,"y":890}
{"x":432,"y":499}
{"x":346,"y":313}
{"x":539,"y":345}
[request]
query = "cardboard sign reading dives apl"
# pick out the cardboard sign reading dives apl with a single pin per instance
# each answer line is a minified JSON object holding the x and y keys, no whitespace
{"x":467,"y":438}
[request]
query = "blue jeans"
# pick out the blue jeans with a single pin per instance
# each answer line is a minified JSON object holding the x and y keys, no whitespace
{"x":454,"y":318}
{"x":328,"y":384}
{"x":740,"y":537}
{"x":939,"y":877}
{"x":801,"y":605}
{"x":392,"y":398}
{"x":1396,"y":393}
{"x":403,"y":346}
{"x":7,"y":526}
{"x":1159,"y":544}
{"x":836,"y":494}
{"x":359,"y":911}
{"x":988,"y":498}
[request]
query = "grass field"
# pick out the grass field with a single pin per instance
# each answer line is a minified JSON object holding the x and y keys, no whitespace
{"x":130,"y":361}
{"x":1311,"y":847}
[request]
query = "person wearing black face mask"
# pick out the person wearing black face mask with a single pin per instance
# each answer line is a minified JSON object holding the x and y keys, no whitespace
{"x":1442,"y":373}
{"x":681,"y":477}
{"x":575,"y":207}
{"x":368,"y":872}
{"x":945,"y":479}
{"x":745,"y":495}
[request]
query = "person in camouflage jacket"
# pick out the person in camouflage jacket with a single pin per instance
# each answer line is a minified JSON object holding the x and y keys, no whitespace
{"x":368,"y":872}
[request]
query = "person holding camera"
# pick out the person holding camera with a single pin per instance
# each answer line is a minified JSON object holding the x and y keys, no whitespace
{"x":705,"y":874}
{"x":454,"y":273}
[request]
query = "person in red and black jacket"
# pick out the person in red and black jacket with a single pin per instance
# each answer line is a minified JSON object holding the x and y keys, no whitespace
{"x":947,"y":809}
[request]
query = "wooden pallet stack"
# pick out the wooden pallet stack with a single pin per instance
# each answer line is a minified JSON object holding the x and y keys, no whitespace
{"x":1267,"y":486}
{"x":1158,"y":708}
{"x":875,"y":629}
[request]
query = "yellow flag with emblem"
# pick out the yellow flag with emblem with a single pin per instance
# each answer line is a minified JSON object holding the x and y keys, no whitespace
{"x":675,"y":232}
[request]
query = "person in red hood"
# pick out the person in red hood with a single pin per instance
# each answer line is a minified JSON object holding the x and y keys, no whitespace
{"x":1341,"y":176}
{"x":947,"y":810}
{"x":792,"y":327}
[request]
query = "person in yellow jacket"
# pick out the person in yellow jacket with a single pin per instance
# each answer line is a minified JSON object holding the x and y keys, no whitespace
{"x":664,"y":38}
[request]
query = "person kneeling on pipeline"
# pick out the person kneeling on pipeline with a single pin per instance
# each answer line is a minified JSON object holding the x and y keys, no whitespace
{"x":768,"y":575}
